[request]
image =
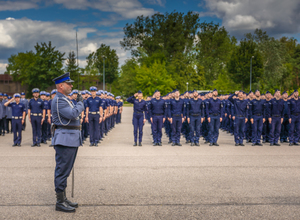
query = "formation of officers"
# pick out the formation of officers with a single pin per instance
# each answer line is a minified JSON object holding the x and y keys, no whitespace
{"x":102,"y":111}
{"x":254,"y":117}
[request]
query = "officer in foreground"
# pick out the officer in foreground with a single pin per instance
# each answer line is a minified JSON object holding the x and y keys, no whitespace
{"x":66,"y":138}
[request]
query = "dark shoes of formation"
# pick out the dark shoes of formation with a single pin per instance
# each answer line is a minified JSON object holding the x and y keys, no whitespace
{"x":63,"y":204}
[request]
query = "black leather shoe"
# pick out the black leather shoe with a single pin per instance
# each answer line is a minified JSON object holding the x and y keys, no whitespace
{"x":192,"y":144}
{"x":159,"y":144}
{"x":33,"y":145}
{"x":197,"y":144}
{"x":62,"y":205}
{"x":155,"y":144}
{"x":206,"y":142}
{"x":237,"y":145}
{"x":72,"y":204}
{"x":135,"y":144}
{"x":216,"y":144}
{"x":291,"y":144}
{"x":14,"y":145}
{"x":264,"y":141}
{"x":140,"y":144}
{"x":211,"y":144}
{"x":38,"y":145}
{"x":242,"y":144}
{"x":173,"y":144}
{"x":178,"y":144}
{"x":169,"y":142}
{"x":96,"y":145}
{"x":19,"y":145}
{"x":259,"y":144}
{"x":296,"y":144}
{"x":253,"y":144}
{"x":91,"y":145}
{"x":271,"y":144}
{"x":277,"y":144}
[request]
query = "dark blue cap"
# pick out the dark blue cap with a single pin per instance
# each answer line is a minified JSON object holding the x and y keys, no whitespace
{"x":1,"y":94}
{"x":17,"y":95}
{"x":284,"y":92}
{"x":175,"y":90}
{"x":9,"y":97}
{"x":295,"y":90}
{"x":75,"y":91}
{"x":63,"y":78}
{"x":93,"y":88}
{"x":267,"y":92}
{"x":215,"y":90}
{"x":139,"y":92}
{"x":250,"y":91}
{"x":47,"y":94}
{"x":22,"y":93}
{"x":256,"y":90}
{"x":4,"y":94}
{"x":53,"y":91}
{"x":195,"y":90}
{"x":276,"y":90}
{"x":156,"y":91}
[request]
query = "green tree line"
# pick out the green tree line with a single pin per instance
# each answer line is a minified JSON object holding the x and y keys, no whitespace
{"x":167,"y":51}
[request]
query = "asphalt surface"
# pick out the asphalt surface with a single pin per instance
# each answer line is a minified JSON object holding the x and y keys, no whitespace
{"x":119,"y":181}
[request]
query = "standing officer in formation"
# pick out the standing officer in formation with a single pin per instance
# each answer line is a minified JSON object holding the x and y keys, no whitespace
{"x":257,"y":111}
{"x":37,"y":114}
{"x":176,"y":117}
{"x":138,"y":121}
{"x":94,"y":116}
{"x":157,"y":111}
{"x":66,"y":138}
{"x":275,"y":117}
{"x":195,"y":114}
{"x":26,"y":103}
{"x":214,"y":109}
{"x":45,"y":123}
{"x":284,"y":133}
{"x":294,"y":119}
{"x":120,"y":109}
{"x":240,"y":116}
{"x":18,"y":117}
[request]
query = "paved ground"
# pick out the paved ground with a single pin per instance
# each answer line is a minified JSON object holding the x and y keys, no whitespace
{"x":119,"y":181}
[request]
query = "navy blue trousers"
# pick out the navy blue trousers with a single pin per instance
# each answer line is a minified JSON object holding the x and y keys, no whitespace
{"x":284,"y":133}
{"x":266,"y":131}
{"x":157,"y":128}
{"x":45,"y":130}
{"x":275,"y":130}
{"x":176,"y":129}
{"x":239,"y":129}
{"x":195,"y":127}
{"x":94,"y":128}
{"x":36,"y":129}
{"x":294,"y":129}
{"x":257,"y":128}
{"x":214,"y":126}
{"x":17,"y":129}
{"x":138,"y":124}
{"x":65,"y":158}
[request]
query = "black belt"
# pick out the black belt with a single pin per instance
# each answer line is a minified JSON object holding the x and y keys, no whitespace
{"x":68,"y":127}
{"x":138,"y":112}
{"x":296,"y":114}
{"x":176,"y":115}
{"x":215,"y":114}
{"x":276,"y":115}
{"x":241,"y":116}
{"x":258,"y":114}
{"x":195,"y":115}
{"x":158,"y":114}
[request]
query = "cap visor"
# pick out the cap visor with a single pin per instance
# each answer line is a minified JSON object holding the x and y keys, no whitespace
{"x":69,"y":81}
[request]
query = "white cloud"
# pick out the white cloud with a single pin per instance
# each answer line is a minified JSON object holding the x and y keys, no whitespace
{"x":125,"y":8}
{"x":21,"y":35}
{"x":17,"y":5}
{"x":2,"y":67}
{"x":242,"y":16}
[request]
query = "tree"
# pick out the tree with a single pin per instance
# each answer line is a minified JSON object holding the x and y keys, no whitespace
{"x":169,"y":33}
{"x":36,"y":69}
{"x":149,"y":79}
{"x":213,"y":50}
{"x":73,"y":69}
{"x":127,"y":81}
{"x":239,"y":63}
{"x":95,"y":62}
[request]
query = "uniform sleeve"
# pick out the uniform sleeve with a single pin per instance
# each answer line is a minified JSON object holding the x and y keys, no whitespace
{"x":250,"y":111}
{"x":222,"y":109}
{"x":165,"y":108}
{"x":268,"y":109}
{"x":207,"y":108}
{"x":29,"y":105}
{"x":187,"y":106}
{"x":150,"y":109}
{"x":130,"y":99}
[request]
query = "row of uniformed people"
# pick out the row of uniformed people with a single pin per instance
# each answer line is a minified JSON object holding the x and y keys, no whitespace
{"x":39,"y":111}
{"x":249,"y":116}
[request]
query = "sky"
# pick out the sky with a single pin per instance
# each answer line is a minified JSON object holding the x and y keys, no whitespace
{"x":23,"y":23}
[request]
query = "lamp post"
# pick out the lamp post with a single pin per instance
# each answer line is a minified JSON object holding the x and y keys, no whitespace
{"x":187,"y":86}
{"x":103,"y":72}
{"x":251,"y":71}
